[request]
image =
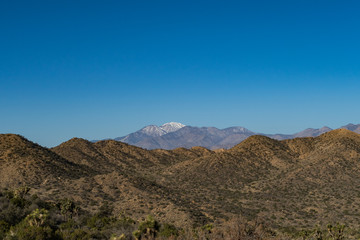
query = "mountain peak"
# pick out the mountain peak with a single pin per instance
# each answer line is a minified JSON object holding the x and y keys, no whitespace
{"x":14,"y":140}
{"x":76,"y":142}
{"x":171,"y":126}
{"x":150,"y":131}
{"x":325,"y":129}
{"x":154,"y":131}
{"x":172,"y":135}
{"x":352,"y":127}
{"x":312,"y":132}
{"x":341,"y":132}
{"x":256,"y":140}
{"x":9,"y":137}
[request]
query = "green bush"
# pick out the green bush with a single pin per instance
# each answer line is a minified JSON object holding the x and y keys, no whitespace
{"x":4,"y":227}
{"x":147,"y":229}
{"x":168,"y":230}
{"x":26,"y":231}
{"x":74,"y":234}
{"x":67,"y":208}
{"x":98,"y":222}
{"x":37,"y":217}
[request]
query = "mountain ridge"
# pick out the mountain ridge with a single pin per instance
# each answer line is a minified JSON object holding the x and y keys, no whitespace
{"x":153,"y":137}
{"x":293,"y":182}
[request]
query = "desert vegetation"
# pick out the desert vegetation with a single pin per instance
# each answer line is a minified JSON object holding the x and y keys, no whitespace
{"x":304,"y":188}
{"x":25,"y":217}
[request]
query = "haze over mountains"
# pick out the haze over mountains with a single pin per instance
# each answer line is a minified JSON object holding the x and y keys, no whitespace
{"x":174,"y":135}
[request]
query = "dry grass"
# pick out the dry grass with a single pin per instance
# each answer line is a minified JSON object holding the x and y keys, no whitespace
{"x":292,"y":183}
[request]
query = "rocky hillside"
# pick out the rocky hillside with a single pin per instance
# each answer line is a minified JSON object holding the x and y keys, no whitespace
{"x":292,"y":183}
{"x":24,"y":162}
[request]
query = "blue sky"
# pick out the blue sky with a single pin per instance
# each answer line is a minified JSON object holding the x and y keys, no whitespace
{"x":99,"y":69}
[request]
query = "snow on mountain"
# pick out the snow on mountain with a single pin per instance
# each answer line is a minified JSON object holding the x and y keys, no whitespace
{"x":171,"y":127}
{"x":150,"y":131}
{"x":155,"y":131}
{"x":172,"y":135}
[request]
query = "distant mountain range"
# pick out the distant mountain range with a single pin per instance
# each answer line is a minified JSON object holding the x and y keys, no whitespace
{"x":174,"y":135}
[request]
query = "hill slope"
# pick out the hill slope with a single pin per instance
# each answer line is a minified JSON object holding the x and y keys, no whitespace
{"x":291,"y":183}
{"x":24,"y":162}
{"x":303,"y":181}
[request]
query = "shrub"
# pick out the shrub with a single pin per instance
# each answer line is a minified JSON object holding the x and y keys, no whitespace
{"x":4,"y":227}
{"x":147,"y":229}
{"x":168,"y":230}
{"x":98,"y":222}
{"x":37,"y":217}
{"x":27,"y":232}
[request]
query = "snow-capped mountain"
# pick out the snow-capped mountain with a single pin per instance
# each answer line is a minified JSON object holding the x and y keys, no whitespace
{"x":171,"y":127}
{"x":173,"y":135}
{"x":150,"y":131}
{"x":154,"y":131}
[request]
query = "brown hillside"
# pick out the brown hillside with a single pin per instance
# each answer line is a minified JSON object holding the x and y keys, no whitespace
{"x":81,"y":151}
{"x":24,"y":162}
{"x":105,"y":156}
{"x":128,"y":176}
{"x":294,"y":180}
{"x":296,"y":183}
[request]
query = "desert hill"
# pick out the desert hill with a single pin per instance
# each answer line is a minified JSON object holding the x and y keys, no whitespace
{"x":290,"y":183}
{"x":22,"y":161}
{"x":298,"y":181}
{"x":127,"y":175}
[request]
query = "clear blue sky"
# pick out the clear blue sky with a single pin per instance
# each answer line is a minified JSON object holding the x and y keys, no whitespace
{"x":99,"y":69}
